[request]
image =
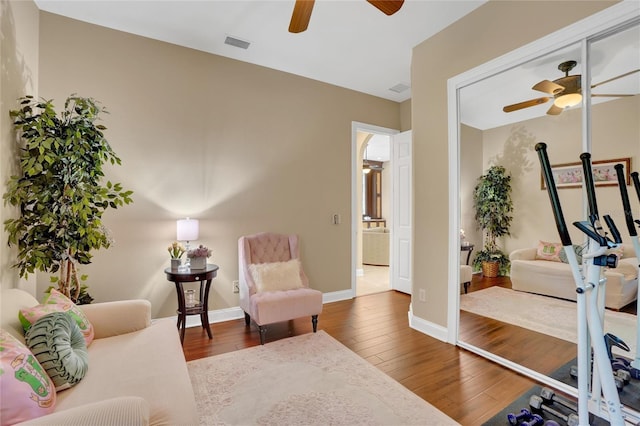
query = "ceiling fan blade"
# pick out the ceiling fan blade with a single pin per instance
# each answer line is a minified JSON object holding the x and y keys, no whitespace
{"x":301,"y":16}
{"x":554,"y":110}
{"x":611,"y":95}
{"x":615,"y":78}
{"x":525,"y":104}
{"x":547,"y":86}
{"x":388,"y":7}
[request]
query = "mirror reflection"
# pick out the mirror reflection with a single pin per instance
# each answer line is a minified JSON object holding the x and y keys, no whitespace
{"x":529,"y":315}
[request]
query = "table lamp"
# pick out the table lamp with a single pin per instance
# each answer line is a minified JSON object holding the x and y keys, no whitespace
{"x":187,"y":230}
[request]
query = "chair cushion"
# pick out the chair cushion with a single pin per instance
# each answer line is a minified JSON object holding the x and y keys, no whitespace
{"x":59,"y":346}
{"x":57,"y":302}
{"x":275,"y":306}
{"x":26,"y":391}
{"x":276,"y":276}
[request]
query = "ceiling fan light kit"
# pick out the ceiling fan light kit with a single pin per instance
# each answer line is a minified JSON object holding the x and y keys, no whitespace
{"x":566,"y":91}
{"x":568,"y":100}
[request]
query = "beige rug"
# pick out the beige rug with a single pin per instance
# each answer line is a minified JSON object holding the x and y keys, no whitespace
{"x":304,"y":380}
{"x":547,"y":315}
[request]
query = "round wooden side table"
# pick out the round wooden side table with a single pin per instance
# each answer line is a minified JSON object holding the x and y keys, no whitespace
{"x":204,"y":276}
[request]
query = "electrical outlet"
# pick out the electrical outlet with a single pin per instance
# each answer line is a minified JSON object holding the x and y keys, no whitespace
{"x":236,"y":286}
{"x":422,"y":295}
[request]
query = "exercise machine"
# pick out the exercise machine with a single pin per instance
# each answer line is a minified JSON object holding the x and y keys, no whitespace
{"x":590,"y":295}
{"x":631,"y":226}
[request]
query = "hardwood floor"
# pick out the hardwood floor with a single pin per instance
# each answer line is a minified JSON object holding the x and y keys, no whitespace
{"x":465,"y":386}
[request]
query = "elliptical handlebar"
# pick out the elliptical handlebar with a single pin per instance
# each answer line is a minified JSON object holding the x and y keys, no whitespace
{"x":626,"y":206}
{"x":615,"y":234}
{"x":636,"y":183}
{"x":589,"y":186}
{"x":541,"y":148}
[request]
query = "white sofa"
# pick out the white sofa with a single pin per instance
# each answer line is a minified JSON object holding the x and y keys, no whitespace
{"x":137,"y":371}
{"x":555,"y":279}
{"x":375,"y":246}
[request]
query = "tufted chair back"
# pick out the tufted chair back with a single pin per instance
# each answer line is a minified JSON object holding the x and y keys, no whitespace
{"x":264,"y":247}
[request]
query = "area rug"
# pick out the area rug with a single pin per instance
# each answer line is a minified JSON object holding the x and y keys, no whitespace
{"x":310,"y":379}
{"x":547,"y":315}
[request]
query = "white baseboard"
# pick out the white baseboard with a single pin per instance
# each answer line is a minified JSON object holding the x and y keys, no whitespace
{"x":219,"y":315}
{"x":430,"y":329}
{"x":336,"y":296}
{"x":228,"y":314}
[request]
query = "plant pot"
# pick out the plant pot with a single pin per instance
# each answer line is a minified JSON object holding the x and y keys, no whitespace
{"x":175,"y":263}
{"x":198,"y":262}
{"x":490,"y":269}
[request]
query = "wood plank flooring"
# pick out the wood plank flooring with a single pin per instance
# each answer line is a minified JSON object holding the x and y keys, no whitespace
{"x":463,"y":385}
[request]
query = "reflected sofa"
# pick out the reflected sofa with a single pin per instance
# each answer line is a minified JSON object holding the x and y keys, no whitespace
{"x":531,"y":274}
{"x":375,"y":246}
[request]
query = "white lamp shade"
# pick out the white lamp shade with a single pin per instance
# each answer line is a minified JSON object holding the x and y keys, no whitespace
{"x":187,"y":229}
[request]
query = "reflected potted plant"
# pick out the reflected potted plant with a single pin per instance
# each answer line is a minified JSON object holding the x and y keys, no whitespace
{"x":198,"y":257}
{"x":493,"y":213}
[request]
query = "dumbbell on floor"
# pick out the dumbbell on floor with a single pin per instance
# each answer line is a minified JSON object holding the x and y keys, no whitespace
{"x":514,"y":419}
{"x":548,"y":395}
{"x":536,"y":402}
{"x":536,"y":420}
{"x":618,"y":378}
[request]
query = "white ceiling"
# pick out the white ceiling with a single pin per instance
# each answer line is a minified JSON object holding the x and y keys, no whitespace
{"x":349,"y":43}
{"x":378,"y":148}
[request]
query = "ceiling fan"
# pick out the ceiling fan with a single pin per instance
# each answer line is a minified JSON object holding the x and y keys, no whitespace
{"x":302,"y":12}
{"x":566,"y":91}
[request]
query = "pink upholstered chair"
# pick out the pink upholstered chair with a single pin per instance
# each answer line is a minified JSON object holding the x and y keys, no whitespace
{"x":261,"y":296}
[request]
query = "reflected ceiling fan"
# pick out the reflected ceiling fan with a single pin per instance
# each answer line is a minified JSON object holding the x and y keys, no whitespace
{"x":566,"y":91}
{"x":302,"y":12}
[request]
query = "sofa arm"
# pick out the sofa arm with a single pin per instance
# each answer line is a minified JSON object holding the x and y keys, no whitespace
{"x":115,"y":318}
{"x":128,"y":410}
{"x":523,"y":254}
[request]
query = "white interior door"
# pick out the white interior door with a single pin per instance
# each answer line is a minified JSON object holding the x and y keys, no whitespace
{"x":401,"y":244}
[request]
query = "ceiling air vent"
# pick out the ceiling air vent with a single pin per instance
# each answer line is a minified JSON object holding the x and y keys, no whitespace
{"x":399,"y":88}
{"x":232,"y":41}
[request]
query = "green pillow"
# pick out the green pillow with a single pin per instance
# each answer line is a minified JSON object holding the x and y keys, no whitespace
{"x":578,"y":249}
{"x":59,"y":346}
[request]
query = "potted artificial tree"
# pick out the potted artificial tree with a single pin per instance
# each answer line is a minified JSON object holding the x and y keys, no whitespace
{"x":493,"y":212}
{"x":59,"y":191}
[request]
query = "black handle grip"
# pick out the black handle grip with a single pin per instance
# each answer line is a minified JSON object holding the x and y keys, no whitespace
{"x":588,"y":181}
{"x":636,"y":183}
{"x":613,"y":229}
{"x":541,"y":148}
{"x":626,"y":206}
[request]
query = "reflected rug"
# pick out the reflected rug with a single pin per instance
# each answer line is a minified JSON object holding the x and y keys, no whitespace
{"x":310,"y":379}
{"x":547,"y":315}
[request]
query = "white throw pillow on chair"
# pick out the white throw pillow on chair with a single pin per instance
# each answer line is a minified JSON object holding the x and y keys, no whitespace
{"x":276,"y":276}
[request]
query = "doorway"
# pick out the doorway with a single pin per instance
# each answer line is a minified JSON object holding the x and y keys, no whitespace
{"x":370,"y":274}
{"x":375,"y":242}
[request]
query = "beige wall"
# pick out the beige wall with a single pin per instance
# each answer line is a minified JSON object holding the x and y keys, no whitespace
{"x":493,"y":29}
{"x":405,"y":115}
{"x":471,"y":167}
{"x":19,"y":75}
{"x":240,"y":147}
{"x":615,"y":134}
